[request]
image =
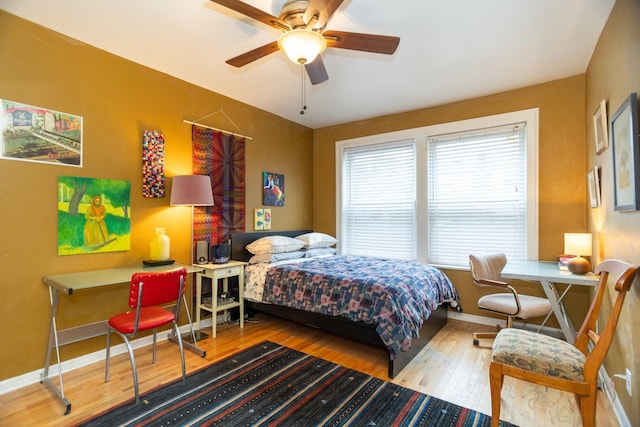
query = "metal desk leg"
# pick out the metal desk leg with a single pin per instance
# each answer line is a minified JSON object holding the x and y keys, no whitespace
{"x":555,"y":299}
{"x":51,"y":344}
{"x":192,"y":346}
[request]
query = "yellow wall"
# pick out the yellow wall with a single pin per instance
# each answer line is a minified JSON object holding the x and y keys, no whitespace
{"x":614,"y":73}
{"x":118,"y":100}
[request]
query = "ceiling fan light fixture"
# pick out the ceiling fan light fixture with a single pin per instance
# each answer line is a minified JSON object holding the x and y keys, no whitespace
{"x":301,"y":45}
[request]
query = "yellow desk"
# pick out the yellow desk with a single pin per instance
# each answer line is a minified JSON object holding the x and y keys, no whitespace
{"x":71,"y":282}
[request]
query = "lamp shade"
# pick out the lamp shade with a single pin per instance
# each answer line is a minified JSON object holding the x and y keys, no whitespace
{"x":577,"y":244}
{"x":302,"y":46}
{"x":191,"y":190}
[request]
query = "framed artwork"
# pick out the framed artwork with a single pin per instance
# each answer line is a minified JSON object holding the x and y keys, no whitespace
{"x":273,"y":189}
{"x":262,"y":219}
{"x":600,"y":127}
{"x":593,"y":181}
{"x":93,"y":215}
{"x":153,"y":179}
{"x":626,"y":155}
{"x":38,"y":134}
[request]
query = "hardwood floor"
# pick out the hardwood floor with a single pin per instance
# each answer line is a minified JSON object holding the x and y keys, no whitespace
{"x":449,"y":368}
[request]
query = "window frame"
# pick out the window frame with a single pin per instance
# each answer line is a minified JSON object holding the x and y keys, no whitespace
{"x":420,"y":137}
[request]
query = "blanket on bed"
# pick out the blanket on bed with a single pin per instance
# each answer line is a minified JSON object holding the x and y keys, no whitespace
{"x":396,"y":296}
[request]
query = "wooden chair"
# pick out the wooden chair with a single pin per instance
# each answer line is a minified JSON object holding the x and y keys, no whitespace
{"x":147,"y":294}
{"x":552,"y":362}
{"x":485,"y":271}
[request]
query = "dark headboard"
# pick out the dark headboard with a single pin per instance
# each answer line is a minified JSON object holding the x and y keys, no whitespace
{"x":240,"y":240}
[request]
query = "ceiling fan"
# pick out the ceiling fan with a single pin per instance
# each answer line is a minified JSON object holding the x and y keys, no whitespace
{"x":304,"y":37}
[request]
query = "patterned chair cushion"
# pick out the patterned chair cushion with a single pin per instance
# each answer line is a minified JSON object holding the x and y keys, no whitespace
{"x":538,"y":353}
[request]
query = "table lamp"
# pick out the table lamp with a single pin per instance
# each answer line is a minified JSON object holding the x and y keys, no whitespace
{"x":578,"y":244}
{"x":191,"y":190}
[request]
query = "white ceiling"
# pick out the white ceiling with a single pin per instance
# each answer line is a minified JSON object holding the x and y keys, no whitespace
{"x":449,"y":50}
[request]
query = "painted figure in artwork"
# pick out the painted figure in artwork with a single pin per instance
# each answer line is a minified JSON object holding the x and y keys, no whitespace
{"x":95,"y":229}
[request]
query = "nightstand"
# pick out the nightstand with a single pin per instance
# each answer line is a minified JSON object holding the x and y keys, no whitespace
{"x":212,"y":305}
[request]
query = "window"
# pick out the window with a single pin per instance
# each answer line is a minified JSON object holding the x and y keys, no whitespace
{"x":477,"y":194}
{"x":438,"y":193}
{"x":380,"y":200}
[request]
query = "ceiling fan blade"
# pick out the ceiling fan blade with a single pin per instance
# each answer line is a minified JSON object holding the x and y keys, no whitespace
{"x":255,"y":13}
{"x":252,"y":55}
{"x":317,"y":71}
{"x":364,"y":42}
{"x":324,"y":9}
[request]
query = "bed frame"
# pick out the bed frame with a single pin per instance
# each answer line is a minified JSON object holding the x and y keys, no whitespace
{"x":356,"y":331}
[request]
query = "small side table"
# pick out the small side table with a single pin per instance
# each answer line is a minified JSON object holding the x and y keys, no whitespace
{"x":216,"y":272}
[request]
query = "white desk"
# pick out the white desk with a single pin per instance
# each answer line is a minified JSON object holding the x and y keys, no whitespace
{"x":69,"y":283}
{"x":548,"y":274}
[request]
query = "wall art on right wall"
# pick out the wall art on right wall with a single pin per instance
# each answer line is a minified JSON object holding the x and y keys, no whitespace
{"x":626,"y":155}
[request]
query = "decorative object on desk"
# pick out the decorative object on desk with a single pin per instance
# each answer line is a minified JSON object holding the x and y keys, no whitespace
{"x":626,"y":156}
{"x":593,"y":180}
{"x":191,"y":190}
{"x":273,"y":384}
{"x":262,"y":219}
{"x":153,"y":179}
{"x":578,"y":244}
{"x":272,"y":189}
{"x":93,"y":215}
{"x":600,"y":127}
{"x":38,"y":134}
{"x":159,"y":246}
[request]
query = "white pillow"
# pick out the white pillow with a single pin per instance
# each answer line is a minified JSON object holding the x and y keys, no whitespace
{"x":274,"y":245}
{"x":258,"y":259}
{"x":316,"y":252}
{"x":317,"y":240}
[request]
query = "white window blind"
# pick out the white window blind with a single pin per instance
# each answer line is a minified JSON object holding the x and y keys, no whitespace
{"x":379,"y":204}
{"x":477,"y":194}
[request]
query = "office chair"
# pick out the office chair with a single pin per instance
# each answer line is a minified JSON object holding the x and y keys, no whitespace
{"x":551,"y":362}
{"x":147,"y":293}
{"x":485,"y":271}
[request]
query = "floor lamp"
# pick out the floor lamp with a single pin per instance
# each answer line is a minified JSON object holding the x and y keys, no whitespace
{"x":192,"y":190}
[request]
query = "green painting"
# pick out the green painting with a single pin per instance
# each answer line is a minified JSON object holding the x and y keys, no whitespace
{"x":93,"y":215}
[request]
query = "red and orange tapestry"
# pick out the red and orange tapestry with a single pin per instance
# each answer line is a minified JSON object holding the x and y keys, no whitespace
{"x":222,"y":158}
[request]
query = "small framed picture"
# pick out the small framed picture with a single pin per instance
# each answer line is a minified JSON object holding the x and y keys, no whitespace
{"x":600,"y":127}
{"x":626,"y":156}
{"x":593,"y":180}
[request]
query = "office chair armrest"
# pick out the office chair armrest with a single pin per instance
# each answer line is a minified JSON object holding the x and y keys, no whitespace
{"x":490,"y":282}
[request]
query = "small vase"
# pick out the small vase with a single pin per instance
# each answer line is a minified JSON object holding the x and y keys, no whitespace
{"x":159,"y":246}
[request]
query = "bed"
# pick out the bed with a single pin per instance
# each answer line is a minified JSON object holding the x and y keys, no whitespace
{"x":403,"y":335}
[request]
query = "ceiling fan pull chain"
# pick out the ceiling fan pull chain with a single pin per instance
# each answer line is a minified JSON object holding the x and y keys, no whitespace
{"x":303,"y":96}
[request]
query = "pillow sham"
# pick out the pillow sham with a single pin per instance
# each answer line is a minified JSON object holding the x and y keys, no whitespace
{"x":258,"y":259}
{"x":317,"y":240}
{"x":274,"y":245}
{"x":311,"y":253}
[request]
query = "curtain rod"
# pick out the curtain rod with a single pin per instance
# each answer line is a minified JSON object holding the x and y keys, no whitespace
{"x":195,"y":123}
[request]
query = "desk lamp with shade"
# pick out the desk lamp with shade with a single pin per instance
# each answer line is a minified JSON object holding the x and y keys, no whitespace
{"x":578,"y":244}
{"x":191,"y":190}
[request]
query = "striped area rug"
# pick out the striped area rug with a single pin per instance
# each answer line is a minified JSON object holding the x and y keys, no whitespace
{"x":270,"y":385}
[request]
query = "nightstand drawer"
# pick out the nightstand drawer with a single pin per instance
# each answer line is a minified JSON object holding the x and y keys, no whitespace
{"x":229,"y":271}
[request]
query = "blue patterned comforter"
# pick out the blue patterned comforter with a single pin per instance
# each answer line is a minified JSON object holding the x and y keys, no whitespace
{"x":396,"y":296}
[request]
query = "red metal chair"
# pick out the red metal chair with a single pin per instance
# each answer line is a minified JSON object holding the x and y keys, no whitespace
{"x":147,"y":294}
